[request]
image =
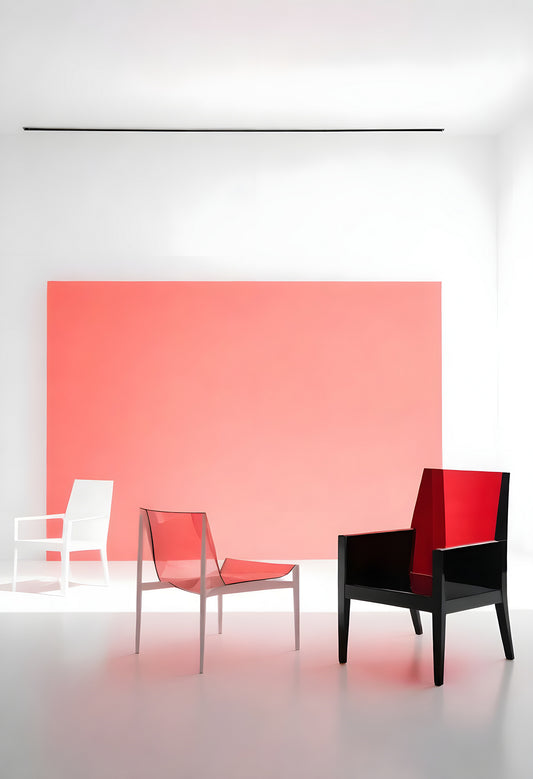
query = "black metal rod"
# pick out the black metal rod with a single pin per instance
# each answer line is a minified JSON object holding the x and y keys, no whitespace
{"x":234,"y":130}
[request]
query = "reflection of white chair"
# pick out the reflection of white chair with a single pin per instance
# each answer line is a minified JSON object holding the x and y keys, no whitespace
{"x":85,"y":527}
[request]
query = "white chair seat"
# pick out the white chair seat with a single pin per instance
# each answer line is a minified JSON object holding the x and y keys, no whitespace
{"x":56,"y":544}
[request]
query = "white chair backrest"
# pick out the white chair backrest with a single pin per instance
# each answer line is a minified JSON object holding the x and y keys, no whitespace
{"x":90,"y":498}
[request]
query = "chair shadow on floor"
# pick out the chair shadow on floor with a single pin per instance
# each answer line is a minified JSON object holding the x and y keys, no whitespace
{"x":171,"y":652}
{"x":37,"y":587}
{"x":383,"y":653}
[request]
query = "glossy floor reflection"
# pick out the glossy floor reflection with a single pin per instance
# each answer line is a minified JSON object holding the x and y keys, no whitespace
{"x":79,"y":703}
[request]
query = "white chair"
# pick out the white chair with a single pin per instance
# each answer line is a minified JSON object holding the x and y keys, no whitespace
{"x":85,"y":527}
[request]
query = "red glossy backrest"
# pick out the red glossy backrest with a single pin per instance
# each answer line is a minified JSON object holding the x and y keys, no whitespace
{"x":176,"y":542}
{"x":452,"y":508}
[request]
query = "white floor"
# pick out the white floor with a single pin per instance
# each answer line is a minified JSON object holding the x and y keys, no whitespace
{"x":77,"y":702}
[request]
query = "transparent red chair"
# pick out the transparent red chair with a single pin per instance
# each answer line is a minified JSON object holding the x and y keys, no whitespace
{"x":453,"y":558}
{"x":184,"y":556}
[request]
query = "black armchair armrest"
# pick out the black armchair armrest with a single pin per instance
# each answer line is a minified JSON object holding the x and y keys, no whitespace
{"x":380,"y":559}
{"x":482,"y":565}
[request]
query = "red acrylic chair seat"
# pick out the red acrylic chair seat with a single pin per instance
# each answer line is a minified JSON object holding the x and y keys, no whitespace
{"x":235,"y":571}
{"x":231,"y":572}
{"x":176,"y":541}
{"x":193,"y":583}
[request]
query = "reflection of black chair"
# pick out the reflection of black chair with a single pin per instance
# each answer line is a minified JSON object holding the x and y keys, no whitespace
{"x":453,"y":558}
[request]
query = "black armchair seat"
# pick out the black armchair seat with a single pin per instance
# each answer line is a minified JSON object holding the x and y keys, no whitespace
{"x":455,"y":590}
{"x":453,"y":558}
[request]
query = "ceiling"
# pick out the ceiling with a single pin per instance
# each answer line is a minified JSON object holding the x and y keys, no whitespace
{"x":466,"y":65}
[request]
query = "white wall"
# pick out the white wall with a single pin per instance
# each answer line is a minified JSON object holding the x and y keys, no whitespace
{"x":516,"y":321}
{"x":358,"y":207}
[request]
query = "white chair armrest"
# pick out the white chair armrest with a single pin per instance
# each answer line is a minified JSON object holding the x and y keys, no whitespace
{"x":82,"y":519}
{"x":38,"y":517}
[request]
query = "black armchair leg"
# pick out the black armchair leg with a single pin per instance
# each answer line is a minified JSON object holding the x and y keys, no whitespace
{"x":417,"y":622}
{"x":344,"y":624}
{"x":439,"y":635}
{"x":505,"y":628}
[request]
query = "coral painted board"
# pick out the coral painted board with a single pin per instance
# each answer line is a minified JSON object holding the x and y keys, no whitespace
{"x":289,"y":412}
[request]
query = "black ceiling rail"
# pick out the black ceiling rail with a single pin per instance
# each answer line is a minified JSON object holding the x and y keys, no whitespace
{"x":234,"y":129}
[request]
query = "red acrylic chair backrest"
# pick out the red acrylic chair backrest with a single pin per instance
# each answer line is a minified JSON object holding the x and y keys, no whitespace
{"x":176,"y":543}
{"x":454,"y":508}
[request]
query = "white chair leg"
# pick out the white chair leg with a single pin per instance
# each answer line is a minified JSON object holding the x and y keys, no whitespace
{"x":296,"y":597}
{"x":103,"y":558}
{"x":65,"y":559}
{"x":220,"y":613}
{"x":138,"y":607}
{"x":138,"y":611}
{"x":202,"y":631}
{"x":15,"y":561}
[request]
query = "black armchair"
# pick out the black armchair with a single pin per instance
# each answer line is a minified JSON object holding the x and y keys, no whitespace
{"x":453,"y":558}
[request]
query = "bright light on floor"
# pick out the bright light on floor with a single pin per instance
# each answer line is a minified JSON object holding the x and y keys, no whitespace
{"x":38,"y":590}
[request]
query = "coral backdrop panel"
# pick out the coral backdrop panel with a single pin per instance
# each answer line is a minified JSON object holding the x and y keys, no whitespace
{"x":289,"y":411}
